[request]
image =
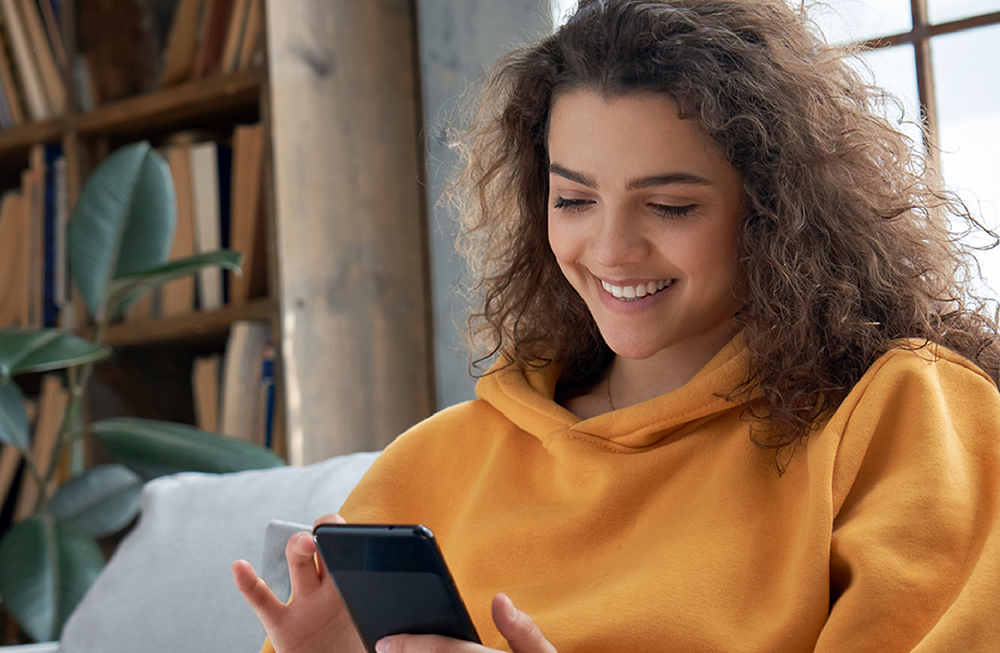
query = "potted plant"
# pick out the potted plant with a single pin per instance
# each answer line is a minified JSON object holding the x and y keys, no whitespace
{"x":118,"y":242}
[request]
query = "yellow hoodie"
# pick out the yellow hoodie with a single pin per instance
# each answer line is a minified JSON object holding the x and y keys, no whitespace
{"x":662,"y":527}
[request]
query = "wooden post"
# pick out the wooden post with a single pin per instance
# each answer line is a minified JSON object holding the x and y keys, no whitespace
{"x":352,"y":253}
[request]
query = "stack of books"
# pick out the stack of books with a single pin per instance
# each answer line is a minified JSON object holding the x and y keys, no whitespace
{"x":33,"y":63}
{"x":209,"y":37}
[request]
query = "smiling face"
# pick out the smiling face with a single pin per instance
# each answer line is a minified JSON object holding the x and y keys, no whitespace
{"x":643,"y":217}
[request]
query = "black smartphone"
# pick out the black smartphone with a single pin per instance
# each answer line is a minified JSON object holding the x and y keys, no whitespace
{"x":393,"y":580}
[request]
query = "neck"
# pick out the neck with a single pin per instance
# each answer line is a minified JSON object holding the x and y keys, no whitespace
{"x":631,"y":381}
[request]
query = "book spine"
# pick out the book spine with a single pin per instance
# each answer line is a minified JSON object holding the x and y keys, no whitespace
{"x":9,"y":77}
{"x":225,"y":167}
{"x":37,"y":102}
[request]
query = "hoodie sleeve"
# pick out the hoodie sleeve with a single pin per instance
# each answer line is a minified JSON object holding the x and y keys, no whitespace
{"x":915,"y":554}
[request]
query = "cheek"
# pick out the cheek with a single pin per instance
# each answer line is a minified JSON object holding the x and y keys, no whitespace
{"x":560,"y":241}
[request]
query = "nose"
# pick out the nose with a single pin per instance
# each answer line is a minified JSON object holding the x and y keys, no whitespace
{"x":619,"y":239}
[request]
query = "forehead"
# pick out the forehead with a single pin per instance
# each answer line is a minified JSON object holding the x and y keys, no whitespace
{"x":643,"y":128}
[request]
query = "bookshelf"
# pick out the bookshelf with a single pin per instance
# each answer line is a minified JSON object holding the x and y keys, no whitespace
{"x":213,"y":105}
{"x":336,"y":87}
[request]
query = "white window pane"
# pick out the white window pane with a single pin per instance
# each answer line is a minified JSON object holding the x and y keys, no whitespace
{"x":968,"y":103}
{"x":844,"y":21}
{"x":895,"y":70}
{"x":943,"y":11}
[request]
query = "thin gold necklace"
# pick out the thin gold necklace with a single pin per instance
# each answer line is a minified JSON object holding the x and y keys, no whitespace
{"x":608,"y":380}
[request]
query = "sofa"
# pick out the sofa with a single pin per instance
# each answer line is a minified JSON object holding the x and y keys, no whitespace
{"x":169,"y":587}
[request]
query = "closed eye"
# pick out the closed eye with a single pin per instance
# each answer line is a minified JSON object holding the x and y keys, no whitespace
{"x":672,"y":211}
{"x":573,"y":205}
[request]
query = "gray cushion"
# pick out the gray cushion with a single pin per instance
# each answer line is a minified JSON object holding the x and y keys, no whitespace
{"x":169,"y":585}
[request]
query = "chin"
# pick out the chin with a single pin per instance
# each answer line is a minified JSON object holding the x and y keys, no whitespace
{"x":627,"y":348}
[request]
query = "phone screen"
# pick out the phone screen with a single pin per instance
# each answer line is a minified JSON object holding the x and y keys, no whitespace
{"x":393,"y":580}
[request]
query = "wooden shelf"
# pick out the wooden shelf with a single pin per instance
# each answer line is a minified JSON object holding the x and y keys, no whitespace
{"x":161,"y":109}
{"x":194,"y":326}
{"x":214,"y":95}
{"x":20,"y":139}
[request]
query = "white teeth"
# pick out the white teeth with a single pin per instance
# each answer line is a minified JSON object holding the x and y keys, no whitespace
{"x":627,"y":293}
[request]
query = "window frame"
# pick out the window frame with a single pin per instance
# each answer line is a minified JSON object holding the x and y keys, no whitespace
{"x":920,"y":37}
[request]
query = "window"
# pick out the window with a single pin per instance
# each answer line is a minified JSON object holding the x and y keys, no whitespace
{"x":940,"y":57}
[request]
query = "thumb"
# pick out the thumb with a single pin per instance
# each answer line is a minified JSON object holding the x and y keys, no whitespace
{"x":518,"y":629}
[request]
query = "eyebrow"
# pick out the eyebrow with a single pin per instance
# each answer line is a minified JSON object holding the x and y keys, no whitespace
{"x":685,"y":178}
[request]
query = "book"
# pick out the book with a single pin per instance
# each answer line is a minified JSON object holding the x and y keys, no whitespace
{"x":182,"y":43}
{"x":54,"y":31}
{"x":263,"y":428}
{"x":14,"y":236}
{"x":51,"y":267}
{"x":32,"y":184}
{"x":6,"y":121}
{"x":51,"y":406}
{"x":212,"y":38}
{"x":9,"y":80}
{"x":24,"y":60}
{"x":241,"y":377}
{"x":229,"y":60}
{"x":205,"y":386}
{"x":49,"y":73}
{"x":178,"y":296}
{"x":210,"y":174}
{"x":246,"y":222}
{"x":251,"y":35}
{"x":63,"y":282}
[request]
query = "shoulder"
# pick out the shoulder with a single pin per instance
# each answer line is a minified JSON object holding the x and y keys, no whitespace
{"x":920,"y":387}
{"x":921,"y":414}
{"x":913,"y":365}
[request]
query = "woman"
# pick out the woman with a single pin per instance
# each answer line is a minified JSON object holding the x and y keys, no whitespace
{"x":744,"y":399}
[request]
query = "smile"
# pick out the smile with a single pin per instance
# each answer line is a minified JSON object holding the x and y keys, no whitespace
{"x":632,"y":293}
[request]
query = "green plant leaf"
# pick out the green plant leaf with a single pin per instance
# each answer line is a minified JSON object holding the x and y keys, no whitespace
{"x":123,"y":222}
{"x":45,"y":569}
{"x":16,"y":343}
{"x":124,"y":289}
{"x":23,"y":350}
{"x":13,"y":417}
{"x":155,"y":448}
{"x":102,"y":500}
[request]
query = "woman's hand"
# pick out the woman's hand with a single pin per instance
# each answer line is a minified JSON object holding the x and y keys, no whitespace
{"x":518,"y":629}
{"x":315,"y":619}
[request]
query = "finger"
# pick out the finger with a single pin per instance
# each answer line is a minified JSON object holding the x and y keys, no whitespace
{"x":518,"y":628}
{"x":303,"y":572}
{"x":425,"y":644}
{"x":329,"y":519}
{"x":256,"y":592}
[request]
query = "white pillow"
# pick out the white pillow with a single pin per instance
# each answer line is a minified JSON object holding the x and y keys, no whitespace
{"x":169,"y":586}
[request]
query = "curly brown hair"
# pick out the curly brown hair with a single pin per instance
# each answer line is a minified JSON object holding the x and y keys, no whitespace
{"x":845,"y":241}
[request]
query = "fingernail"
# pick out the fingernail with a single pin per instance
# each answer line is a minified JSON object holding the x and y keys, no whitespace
{"x":383,"y":646}
{"x":511,"y":610}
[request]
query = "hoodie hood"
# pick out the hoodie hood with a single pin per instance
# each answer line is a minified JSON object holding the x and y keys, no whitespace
{"x":526,"y":398}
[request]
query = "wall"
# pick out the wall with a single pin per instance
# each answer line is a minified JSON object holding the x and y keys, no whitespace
{"x":458,"y":41}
